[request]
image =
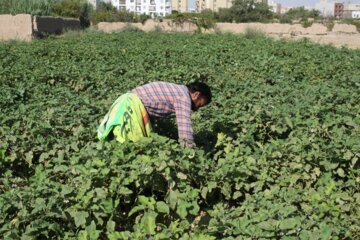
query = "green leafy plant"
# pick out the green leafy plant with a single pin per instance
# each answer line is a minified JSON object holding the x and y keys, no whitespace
{"x":252,"y":33}
{"x":277,"y":153}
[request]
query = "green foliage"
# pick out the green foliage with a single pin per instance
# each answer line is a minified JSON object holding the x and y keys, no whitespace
{"x":105,"y":12}
{"x":278,"y":147}
{"x":130,"y":28}
{"x":250,"y":11}
{"x":34,"y":7}
{"x":301,"y":13}
{"x":329,"y":25}
{"x":158,"y":29}
{"x":224,"y":15}
{"x":306,"y":23}
{"x":284,"y":18}
{"x":203,"y":21}
{"x":252,"y":33}
{"x":80,"y":9}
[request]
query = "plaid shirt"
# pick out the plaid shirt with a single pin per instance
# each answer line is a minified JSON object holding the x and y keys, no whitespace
{"x":161,"y":99}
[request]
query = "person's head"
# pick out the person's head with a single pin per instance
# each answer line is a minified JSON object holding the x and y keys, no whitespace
{"x":200,"y":94}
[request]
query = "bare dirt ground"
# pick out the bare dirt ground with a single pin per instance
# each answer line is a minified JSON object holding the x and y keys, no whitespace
{"x":337,"y":40}
{"x":342,"y":35}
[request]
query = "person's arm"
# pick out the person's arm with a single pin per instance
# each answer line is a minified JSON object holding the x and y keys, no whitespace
{"x":183,"y":119}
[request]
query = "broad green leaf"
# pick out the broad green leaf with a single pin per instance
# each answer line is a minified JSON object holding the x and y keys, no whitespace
{"x":125,"y":191}
{"x":340,"y":172}
{"x":148,"y":221}
{"x":79,"y":217}
{"x":289,"y":223}
{"x":181,"y":176}
{"x":172,"y":198}
{"x":182,"y":210}
{"x":162,"y":207}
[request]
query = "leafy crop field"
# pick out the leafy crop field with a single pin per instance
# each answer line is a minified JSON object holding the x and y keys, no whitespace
{"x":277,"y":156}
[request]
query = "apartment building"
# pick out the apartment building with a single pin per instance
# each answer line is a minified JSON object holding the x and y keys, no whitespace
{"x":343,"y":10}
{"x":180,"y":5}
{"x":339,"y":10}
{"x":213,"y":5}
{"x":351,"y":10}
{"x":154,"y":8}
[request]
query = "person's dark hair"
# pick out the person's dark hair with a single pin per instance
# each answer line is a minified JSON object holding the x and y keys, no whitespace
{"x":201,"y":87}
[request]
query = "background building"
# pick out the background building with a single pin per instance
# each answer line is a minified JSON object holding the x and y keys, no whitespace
{"x":351,"y":10}
{"x":339,"y":10}
{"x":180,"y":5}
{"x":212,"y":5}
{"x":347,"y":10}
{"x":154,"y":8}
{"x":274,"y":7}
{"x":326,"y":7}
{"x":356,"y":14}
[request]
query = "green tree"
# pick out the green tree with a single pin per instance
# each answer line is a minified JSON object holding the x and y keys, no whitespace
{"x":250,"y":11}
{"x":224,"y":15}
{"x":302,"y":13}
{"x":80,"y":9}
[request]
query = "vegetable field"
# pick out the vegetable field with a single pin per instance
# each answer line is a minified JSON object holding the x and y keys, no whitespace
{"x":277,"y":150}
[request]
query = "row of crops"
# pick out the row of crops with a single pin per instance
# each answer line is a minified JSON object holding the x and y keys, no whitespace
{"x":277,"y":150}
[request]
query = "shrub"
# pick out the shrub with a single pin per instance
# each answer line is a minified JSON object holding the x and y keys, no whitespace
{"x":131,"y":28}
{"x":329,"y":25}
{"x":285,"y":19}
{"x":224,"y":15}
{"x":253,"y":33}
{"x":306,"y":23}
{"x":80,"y":9}
{"x":157,"y":28}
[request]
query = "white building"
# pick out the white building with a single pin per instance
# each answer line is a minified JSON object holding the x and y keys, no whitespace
{"x":355,"y":14}
{"x":326,"y":7}
{"x":274,"y":7}
{"x":152,"y":8}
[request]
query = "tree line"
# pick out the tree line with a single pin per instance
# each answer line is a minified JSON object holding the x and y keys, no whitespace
{"x":240,"y":11}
